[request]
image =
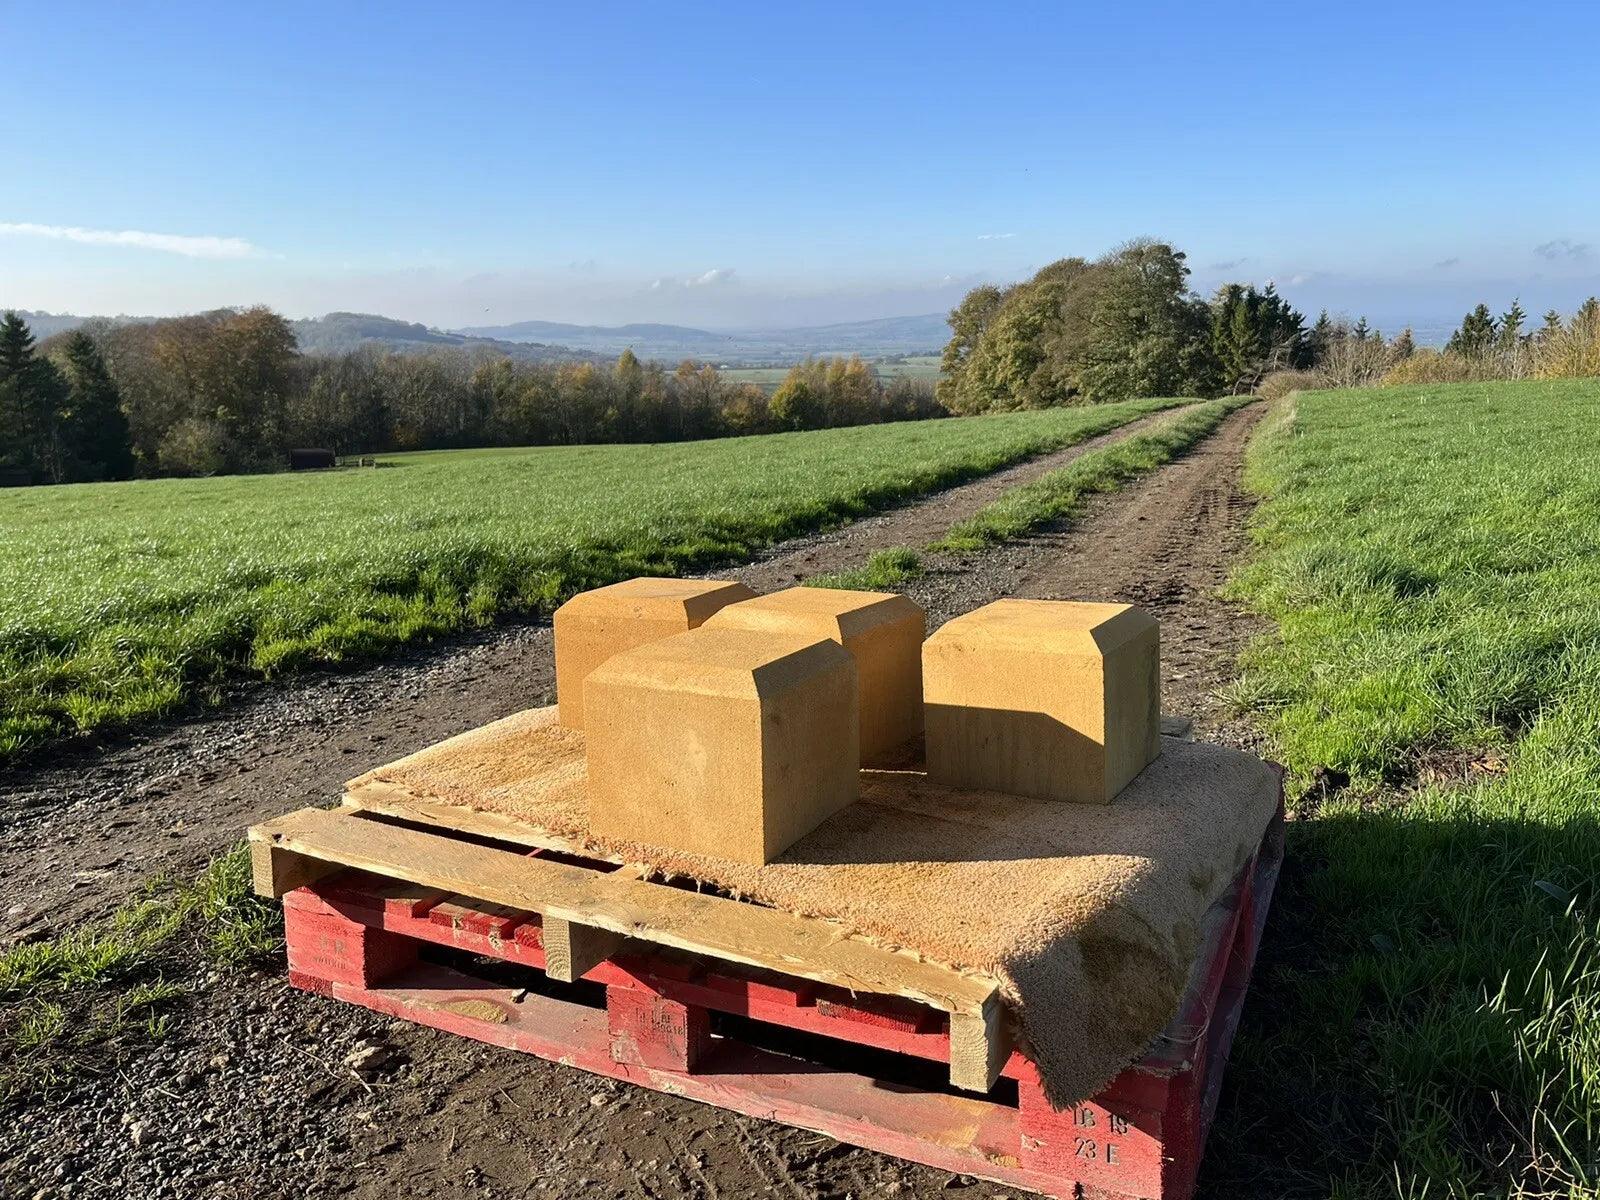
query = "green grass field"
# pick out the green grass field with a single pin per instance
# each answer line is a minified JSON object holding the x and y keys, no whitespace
{"x":122,"y":600}
{"x":1427,"y":1017}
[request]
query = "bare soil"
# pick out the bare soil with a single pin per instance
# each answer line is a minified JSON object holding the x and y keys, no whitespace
{"x":250,"y":1096}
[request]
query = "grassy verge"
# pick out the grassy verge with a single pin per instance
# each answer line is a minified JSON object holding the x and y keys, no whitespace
{"x":70,"y":1004}
{"x":122,"y":600}
{"x":1427,"y":1019}
{"x":1053,"y":497}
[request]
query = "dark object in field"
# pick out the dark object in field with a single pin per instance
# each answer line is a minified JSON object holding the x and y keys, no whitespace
{"x":311,"y":460}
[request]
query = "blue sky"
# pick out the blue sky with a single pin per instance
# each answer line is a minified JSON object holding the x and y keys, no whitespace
{"x":758,"y":164}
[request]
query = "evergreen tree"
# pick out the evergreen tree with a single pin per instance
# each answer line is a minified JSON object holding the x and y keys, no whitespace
{"x":1252,"y":333}
{"x":1511,"y":322}
{"x":1404,"y":345}
{"x":1361,"y":332}
{"x":94,"y":427}
{"x":1476,"y":335}
{"x":1552,"y":327}
{"x":1320,"y":338}
{"x":29,"y":396}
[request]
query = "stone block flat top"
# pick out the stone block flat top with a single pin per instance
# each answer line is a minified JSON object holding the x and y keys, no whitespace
{"x":1047,"y":626}
{"x":1089,"y":915}
{"x":830,"y":611}
{"x":654,"y":597}
{"x":713,"y":661}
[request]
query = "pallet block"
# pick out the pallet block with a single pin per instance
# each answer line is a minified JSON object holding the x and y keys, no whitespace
{"x":883,"y":632}
{"x":1043,"y":698}
{"x":729,"y":743}
{"x":676,"y":1023}
{"x":594,"y":625}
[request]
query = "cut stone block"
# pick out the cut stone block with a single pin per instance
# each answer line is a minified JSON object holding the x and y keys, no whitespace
{"x":723,"y":742}
{"x":1044,"y":698}
{"x":883,"y":632}
{"x":594,"y":625}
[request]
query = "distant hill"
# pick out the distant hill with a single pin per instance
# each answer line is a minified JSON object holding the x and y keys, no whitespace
{"x":45,"y":324}
{"x":871,"y":339}
{"x":554,"y":341}
{"x":341,"y":332}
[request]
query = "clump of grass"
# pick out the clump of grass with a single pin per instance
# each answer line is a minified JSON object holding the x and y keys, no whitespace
{"x":1428,"y":1010}
{"x":73,"y":1001}
{"x":884,"y":571}
{"x":125,"y":600}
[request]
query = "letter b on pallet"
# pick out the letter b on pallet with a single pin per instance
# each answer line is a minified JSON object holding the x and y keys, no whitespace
{"x":1043,"y":698}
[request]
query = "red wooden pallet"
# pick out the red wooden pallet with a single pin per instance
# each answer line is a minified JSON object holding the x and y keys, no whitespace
{"x":681,"y":1023}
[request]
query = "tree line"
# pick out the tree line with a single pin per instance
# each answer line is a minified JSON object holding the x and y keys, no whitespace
{"x":228,"y":391}
{"x":1121,"y":326}
{"x":1483,"y":347}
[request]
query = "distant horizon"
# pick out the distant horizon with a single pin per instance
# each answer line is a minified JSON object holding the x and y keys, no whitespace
{"x":1433,"y":329}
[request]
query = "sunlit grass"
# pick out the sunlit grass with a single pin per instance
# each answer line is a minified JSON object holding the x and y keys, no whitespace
{"x":122,"y":600}
{"x":72,"y":1002}
{"x":1428,"y":1020}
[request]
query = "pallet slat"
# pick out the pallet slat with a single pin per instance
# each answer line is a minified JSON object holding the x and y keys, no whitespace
{"x":1141,"y":1138}
{"x":312,"y":841}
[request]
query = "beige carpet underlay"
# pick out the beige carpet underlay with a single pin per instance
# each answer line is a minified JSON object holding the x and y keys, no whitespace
{"x":1089,"y":916}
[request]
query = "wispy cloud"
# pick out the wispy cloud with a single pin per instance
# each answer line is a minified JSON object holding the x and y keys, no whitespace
{"x":1562,"y":248}
{"x":168,"y":243}
{"x":1444,"y":264}
{"x":995,"y":237}
{"x":711,"y":278}
{"x":1228,"y":265}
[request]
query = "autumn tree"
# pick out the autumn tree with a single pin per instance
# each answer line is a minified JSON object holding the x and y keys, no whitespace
{"x":968,"y":321}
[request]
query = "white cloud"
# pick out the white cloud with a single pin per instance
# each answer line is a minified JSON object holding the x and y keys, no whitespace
{"x":168,"y":243}
{"x":711,"y":278}
{"x":995,"y":237}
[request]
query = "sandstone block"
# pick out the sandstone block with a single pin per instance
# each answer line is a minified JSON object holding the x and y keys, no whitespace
{"x":724,"y":742}
{"x":883,"y":633}
{"x":1044,"y":698}
{"x":594,"y":625}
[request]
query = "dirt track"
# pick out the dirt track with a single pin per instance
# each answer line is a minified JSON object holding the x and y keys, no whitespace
{"x":80,"y":832}
{"x":275,"y":1112}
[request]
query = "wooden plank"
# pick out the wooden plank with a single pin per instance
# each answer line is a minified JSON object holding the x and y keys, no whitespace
{"x":686,"y":920}
{"x":391,"y":800}
{"x":571,"y":951}
{"x":980,"y":1044}
{"x":274,"y":871}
